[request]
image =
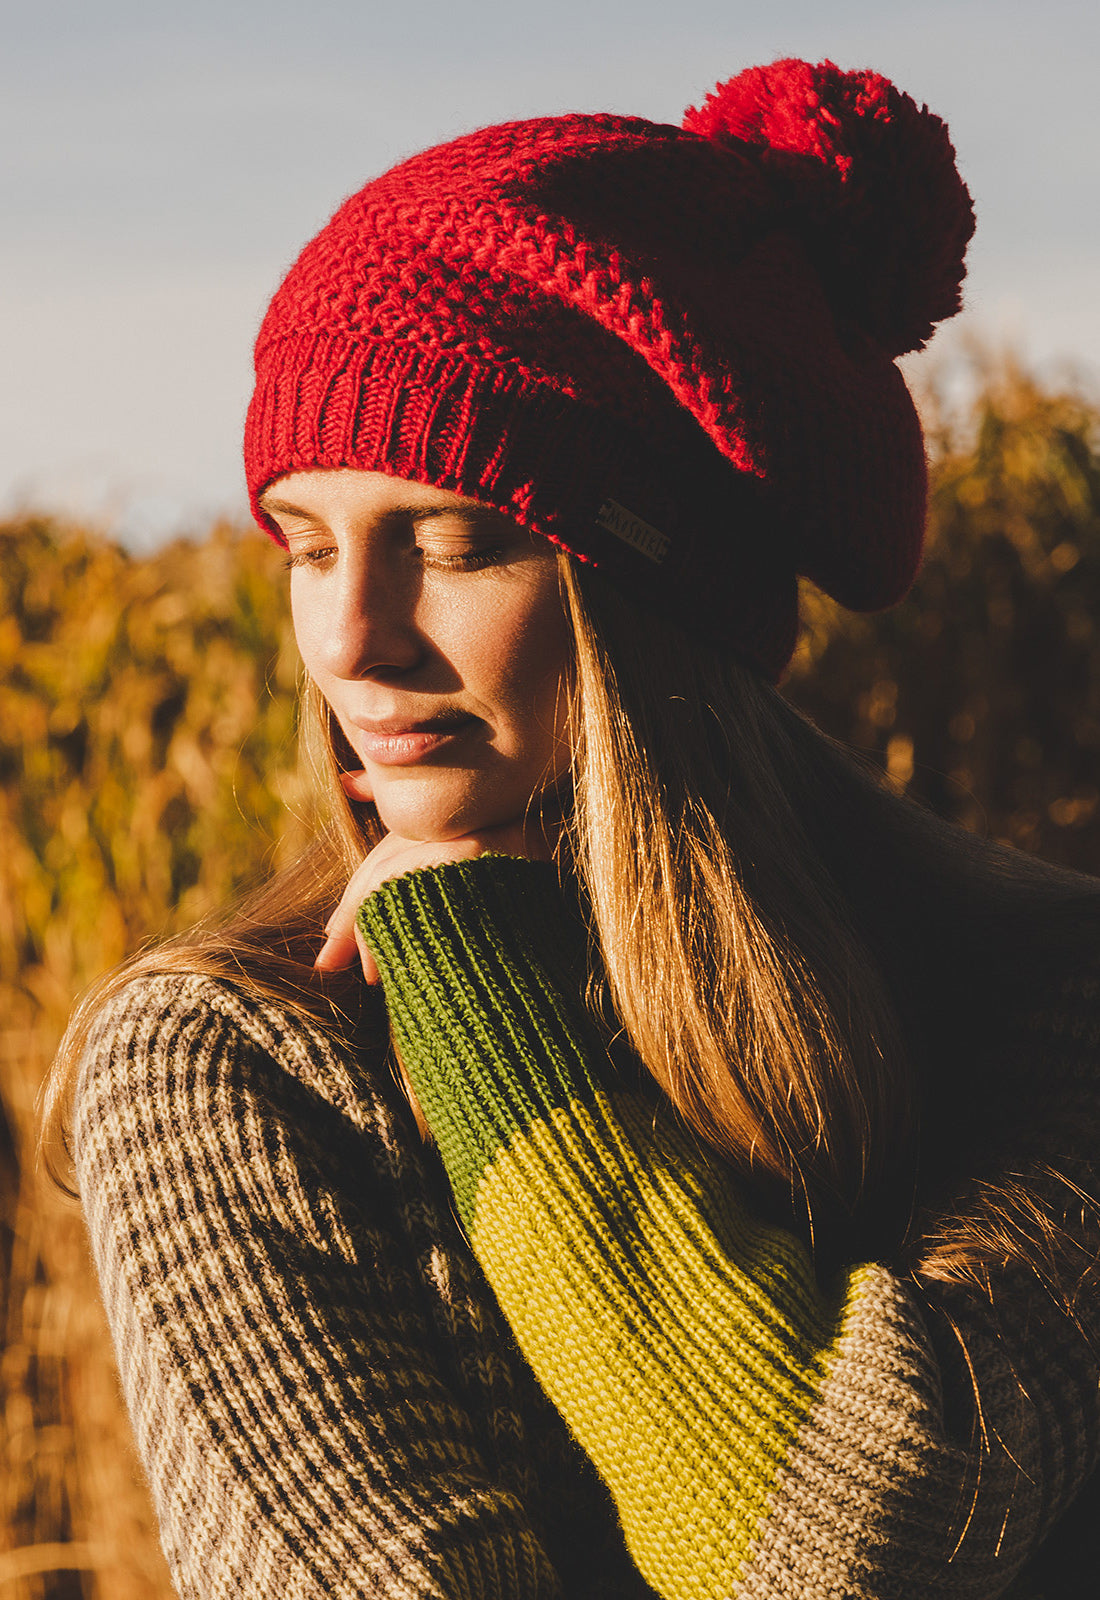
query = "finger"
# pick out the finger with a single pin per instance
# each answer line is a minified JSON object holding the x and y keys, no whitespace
{"x":394,"y":857}
{"x":340,"y":948}
{"x":366,"y":956}
{"x":356,"y":785}
{"x":337,"y":952}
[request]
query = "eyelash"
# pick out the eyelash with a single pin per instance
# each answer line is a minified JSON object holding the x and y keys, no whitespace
{"x":470,"y":561}
{"x":305,"y":558}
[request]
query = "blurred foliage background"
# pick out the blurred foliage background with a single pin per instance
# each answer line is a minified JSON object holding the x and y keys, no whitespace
{"x":148,"y":771}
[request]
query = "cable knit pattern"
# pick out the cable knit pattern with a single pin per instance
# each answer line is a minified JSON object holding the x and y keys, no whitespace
{"x":327,"y":1397}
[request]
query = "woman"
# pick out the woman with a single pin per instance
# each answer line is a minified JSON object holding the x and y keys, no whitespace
{"x":752,"y":1247}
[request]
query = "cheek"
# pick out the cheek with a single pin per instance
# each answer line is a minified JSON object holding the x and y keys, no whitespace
{"x":304,"y":616}
{"x":530,"y":663}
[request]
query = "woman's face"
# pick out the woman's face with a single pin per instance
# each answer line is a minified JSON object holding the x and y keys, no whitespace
{"x":435,"y":630}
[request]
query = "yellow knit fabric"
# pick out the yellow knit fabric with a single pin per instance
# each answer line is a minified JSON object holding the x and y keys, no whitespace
{"x":715,"y":1384}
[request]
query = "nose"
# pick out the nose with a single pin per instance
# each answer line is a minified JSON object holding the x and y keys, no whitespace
{"x":366,"y":626}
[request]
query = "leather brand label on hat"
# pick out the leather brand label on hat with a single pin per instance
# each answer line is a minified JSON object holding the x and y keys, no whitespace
{"x":648,"y":541}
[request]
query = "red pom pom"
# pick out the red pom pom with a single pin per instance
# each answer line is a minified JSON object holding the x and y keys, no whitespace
{"x":867,"y":178}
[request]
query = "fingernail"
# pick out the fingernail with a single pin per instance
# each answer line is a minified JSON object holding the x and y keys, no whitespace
{"x":331,"y":955}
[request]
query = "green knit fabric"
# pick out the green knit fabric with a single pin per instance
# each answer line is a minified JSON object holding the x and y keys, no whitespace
{"x":684,"y":1344}
{"x":469,"y":1000}
{"x":688,"y":1346}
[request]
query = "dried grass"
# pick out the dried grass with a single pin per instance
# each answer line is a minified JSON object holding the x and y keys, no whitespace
{"x":147,"y":771}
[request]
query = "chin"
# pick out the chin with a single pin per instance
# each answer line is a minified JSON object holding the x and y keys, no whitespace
{"x":428,"y":812}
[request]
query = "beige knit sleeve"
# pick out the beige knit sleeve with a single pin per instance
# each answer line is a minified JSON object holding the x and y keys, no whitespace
{"x":285,"y":1387}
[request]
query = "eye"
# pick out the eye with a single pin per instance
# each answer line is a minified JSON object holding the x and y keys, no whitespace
{"x":318,"y":556}
{"x":462,"y":560}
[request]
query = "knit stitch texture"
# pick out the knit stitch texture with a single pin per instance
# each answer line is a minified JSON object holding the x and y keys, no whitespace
{"x":690,"y":1349}
{"x":325,"y":1384}
{"x":668,"y":350}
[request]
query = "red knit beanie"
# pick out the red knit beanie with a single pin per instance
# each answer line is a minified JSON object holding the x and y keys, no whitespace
{"x":669,"y":350}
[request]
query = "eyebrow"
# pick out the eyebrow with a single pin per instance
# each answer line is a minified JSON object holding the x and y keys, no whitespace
{"x":409,"y":513}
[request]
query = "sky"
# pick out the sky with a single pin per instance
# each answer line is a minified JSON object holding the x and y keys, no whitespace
{"x":164,"y":163}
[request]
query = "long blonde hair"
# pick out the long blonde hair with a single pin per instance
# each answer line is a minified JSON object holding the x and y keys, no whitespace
{"x":731,"y":960}
{"x":766,"y":916}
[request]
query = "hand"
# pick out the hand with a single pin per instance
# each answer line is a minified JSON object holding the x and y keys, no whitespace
{"x":394,"y":857}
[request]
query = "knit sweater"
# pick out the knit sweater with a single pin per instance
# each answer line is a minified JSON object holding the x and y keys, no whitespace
{"x":604,"y":1376}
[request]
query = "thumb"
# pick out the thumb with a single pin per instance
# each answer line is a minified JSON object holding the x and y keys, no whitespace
{"x":356,"y":785}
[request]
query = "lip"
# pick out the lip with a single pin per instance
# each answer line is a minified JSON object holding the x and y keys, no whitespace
{"x":400,"y":742}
